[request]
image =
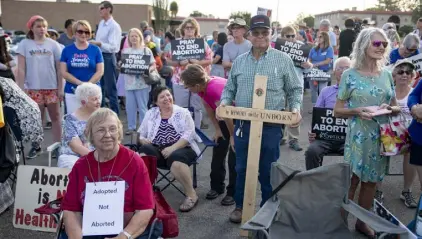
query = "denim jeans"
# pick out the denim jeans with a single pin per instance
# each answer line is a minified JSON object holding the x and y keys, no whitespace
{"x":316,"y":89}
{"x":108,"y":82}
{"x":136,"y":101}
{"x":156,"y":233}
{"x":270,"y":152}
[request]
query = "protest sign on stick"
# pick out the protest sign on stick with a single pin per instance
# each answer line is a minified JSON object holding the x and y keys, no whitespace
{"x":135,"y":64}
{"x":185,"y":49}
{"x":328,"y":127}
{"x":298,"y":51}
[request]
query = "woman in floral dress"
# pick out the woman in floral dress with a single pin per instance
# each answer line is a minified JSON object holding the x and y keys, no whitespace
{"x":366,"y":84}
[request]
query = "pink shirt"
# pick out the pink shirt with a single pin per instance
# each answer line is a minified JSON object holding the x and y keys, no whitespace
{"x":213,"y":92}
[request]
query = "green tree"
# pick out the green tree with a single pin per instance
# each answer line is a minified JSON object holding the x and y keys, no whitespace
{"x":309,"y":20}
{"x":404,"y":30}
{"x":174,"y":8}
{"x":161,"y":14}
{"x":417,"y":13}
{"x":408,"y":5}
{"x":389,"y":5}
{"x":197,"y":14}
{"x":244,"y":15}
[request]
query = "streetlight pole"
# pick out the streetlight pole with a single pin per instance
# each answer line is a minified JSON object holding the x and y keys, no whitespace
{"x":278,"y":5}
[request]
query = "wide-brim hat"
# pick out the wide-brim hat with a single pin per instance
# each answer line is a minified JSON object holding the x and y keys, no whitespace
{"x":238,"y":21}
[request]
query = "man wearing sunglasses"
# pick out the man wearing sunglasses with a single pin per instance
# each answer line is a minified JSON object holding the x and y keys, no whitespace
{"x":283,"y":84}
{"x":108,"y":37}
{"x":408,"y":48}
{"x":239,"y":45}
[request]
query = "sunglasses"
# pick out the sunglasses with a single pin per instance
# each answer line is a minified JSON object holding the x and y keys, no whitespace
{"x":290,"y":36}
{"x":80,"y":32}
{"x":102,"y":8}
{"x":189,"y":28}
{"x":258,"y":33}
{"x":410,"y":49}
{"x":379,"y":43}
{"x":401,"y":72}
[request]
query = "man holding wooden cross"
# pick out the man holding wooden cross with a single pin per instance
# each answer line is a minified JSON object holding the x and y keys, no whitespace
{"x":262,"y":78}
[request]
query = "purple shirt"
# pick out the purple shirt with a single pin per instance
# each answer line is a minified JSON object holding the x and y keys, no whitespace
{"x":327,"y":98}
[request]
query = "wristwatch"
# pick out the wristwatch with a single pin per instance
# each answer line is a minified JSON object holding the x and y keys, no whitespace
{"x":127,"y":235}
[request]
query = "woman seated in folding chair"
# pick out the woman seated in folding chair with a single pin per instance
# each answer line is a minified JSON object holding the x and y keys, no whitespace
{"x":74,"y":142}
{"x":168,"y":132}
{"x":110,"y":162}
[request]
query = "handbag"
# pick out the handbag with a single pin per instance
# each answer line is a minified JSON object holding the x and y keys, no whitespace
{"x":167,"y":215}
{"x":395,"y":139}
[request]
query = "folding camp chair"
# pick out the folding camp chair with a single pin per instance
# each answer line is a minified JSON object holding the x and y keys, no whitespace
{"x":308,"y":205}
{"x":170,"y":181}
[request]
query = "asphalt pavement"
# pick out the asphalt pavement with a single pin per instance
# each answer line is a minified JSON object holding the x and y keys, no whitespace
{"x":211,"y":220}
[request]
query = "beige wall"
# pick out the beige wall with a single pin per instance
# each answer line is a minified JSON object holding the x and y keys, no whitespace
{"x":338,"y":19}
{"x":15,"y":14}
{"x":207,"y":27}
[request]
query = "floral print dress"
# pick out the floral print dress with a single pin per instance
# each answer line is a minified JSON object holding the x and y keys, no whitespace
{"x":362,"y":147}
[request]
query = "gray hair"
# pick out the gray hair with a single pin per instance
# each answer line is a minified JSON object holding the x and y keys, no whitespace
{"x":98,"y":117}
{"x":325,"y":22}
{"x":363,"y":42}
{"x":343,"y":58}
{"x":411,"y":40}
{"x":86,"y":90}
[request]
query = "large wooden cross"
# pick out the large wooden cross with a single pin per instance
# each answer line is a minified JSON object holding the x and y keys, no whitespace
{"x":257,"y":115}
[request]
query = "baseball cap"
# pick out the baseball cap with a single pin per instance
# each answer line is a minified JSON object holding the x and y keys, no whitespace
{"x":260,"y":21}
{"x":147,"y":33}
{"x":404,"y":61}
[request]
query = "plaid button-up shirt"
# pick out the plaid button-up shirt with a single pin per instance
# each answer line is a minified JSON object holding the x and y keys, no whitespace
{"x":283,"y":82}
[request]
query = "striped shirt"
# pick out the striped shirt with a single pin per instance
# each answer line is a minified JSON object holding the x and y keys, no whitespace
{"x":283,"y":82}
{"x":166,"y":134}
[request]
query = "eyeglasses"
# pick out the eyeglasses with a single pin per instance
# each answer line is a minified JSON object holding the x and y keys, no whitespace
{"x":235,"y":27}
{"x":342,"y":68}
{"x":401,"y":72}
{"x":258,"y":33}
{"x":189,"y":28}
{"x":379,"y":43}
{"x":80,"y":32}
{"x":102,"y":132}
{"x":290,"y":36}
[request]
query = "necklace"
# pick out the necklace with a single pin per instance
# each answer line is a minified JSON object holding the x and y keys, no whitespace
{"x":98,"y":167}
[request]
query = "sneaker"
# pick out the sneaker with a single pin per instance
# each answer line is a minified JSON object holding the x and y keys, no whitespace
{"x":236,"y":215}
{"x":408,"y":199}
{"x":33,"y":153}
{"x":227,"y":201}
{"x":48,"y":125}
{"x":379,"y":196}
{"x":294,"y":144}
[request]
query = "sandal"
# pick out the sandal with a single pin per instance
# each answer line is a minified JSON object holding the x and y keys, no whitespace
{"x":188,"y":204}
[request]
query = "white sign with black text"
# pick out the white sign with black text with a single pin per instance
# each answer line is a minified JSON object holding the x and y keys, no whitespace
{"x":103,"y":208}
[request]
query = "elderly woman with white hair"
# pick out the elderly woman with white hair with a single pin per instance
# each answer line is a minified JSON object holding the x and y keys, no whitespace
{"x":74,"y":141}
{"x":391,"y":31}
{"x":367,"y":83}
{"x":408,"y":48}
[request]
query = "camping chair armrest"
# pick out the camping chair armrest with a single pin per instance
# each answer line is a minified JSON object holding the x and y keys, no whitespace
{"x":50,"y":149}
{"x":374,"y":221}
{"x":53,"y":147}
{"x":264,"y":217}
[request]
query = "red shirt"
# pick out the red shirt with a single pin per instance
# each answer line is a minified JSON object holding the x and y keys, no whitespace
{"x":138,"y":194}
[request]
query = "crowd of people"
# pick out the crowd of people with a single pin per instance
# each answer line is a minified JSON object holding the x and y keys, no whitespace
{"x":81,"y":75}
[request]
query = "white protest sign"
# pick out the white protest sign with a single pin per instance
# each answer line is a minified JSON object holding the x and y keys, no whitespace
{"x":264,"y":11}
{"x":36,"y":186}
{"x":103,"y":208}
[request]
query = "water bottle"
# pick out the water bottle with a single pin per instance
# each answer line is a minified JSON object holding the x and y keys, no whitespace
{"x":419,"y":223}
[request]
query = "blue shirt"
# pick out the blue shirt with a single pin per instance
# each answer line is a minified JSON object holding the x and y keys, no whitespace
{"x":82,"y":64}
{"x":415,"y":127}
{"x":321,"y":55}
{"x":395,"y":56}
{"x":210,"y":42}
